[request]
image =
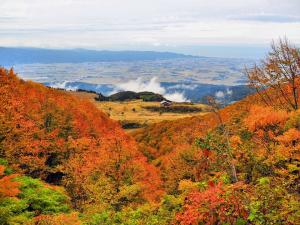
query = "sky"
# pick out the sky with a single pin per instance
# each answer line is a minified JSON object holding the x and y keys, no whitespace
{"x":188,"y":26}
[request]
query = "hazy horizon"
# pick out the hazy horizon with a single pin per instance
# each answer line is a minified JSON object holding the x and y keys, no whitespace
{"x":251,"y":52}
{"x":193,"y":27}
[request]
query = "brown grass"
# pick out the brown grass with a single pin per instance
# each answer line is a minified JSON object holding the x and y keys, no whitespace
{"x":134,"y":111}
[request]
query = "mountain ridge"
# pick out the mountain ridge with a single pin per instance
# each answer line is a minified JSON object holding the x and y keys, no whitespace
{"x":13,"y":55}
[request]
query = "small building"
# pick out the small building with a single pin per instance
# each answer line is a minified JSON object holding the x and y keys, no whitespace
{"x":165,"y":103}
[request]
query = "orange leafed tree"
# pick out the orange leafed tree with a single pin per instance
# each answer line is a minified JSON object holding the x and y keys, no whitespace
{"x":280,"y":72}
{"x":216,"y":205}
{"x":63,"y":140}
{"x":8,"y":187}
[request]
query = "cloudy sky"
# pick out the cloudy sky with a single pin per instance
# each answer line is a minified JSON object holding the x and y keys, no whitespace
{"x":147,"y":24}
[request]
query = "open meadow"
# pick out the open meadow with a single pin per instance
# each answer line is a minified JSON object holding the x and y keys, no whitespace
{"x":137,"y":113}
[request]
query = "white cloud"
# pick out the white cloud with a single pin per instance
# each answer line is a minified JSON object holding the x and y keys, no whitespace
{"x":153,"y":85}
{"x":219,"y":94}
{"x":176,"y":97}
{"x":184,"y":86}
{"x":222,"y":94}
{"x":63,"y":85}
{"x":139,"y":85}
{"x":157,"y":23}
{"x":229,"y":92}
{"x":268,"y":18}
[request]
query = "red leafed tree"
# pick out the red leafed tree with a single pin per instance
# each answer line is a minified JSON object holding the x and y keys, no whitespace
{"x":8,"y":187}
{"x":216,"y":205}
{"x":65,"y":141}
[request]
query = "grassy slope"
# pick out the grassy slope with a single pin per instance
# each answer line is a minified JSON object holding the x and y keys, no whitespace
{"x":123,"y":111}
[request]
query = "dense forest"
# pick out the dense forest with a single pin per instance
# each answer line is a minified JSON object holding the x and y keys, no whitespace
{"x":62,"y":161}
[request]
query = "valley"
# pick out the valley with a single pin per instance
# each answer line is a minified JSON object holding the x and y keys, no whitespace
{"x":161,"y":112}
{"x":83,"y":158}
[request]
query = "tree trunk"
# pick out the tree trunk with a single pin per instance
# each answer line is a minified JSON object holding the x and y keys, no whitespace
{"x":233,"y":173}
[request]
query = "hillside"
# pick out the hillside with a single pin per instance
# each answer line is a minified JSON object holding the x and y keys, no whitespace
{"x":248,"y":148}
{"x":62,"y":161}
{"x":51,"y":135}
{"x":167,"y":135}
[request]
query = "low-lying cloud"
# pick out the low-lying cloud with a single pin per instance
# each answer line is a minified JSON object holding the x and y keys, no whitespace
{"x":139,"y":85}
{"x":153,"y":85}
{"x":63,"y":85}
{"x":184,"y":86}
{"x":176,"y":97}
{"x":222,"y":94}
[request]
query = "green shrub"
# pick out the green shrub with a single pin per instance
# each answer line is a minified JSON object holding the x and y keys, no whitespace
{"x":42,"y":199}
{"x":35,"y":198}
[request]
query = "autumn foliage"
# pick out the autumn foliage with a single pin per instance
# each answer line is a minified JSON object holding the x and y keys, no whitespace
{"x":215,"y":205}
{"x":8,"y":187}
{"x":263,"y":144}
{"x":279,"y":73}
{"x":49,"y":134}
{"x":236,"y":165}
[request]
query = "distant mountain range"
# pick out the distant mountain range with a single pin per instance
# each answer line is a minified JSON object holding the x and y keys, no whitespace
{"x":12,"y":56}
